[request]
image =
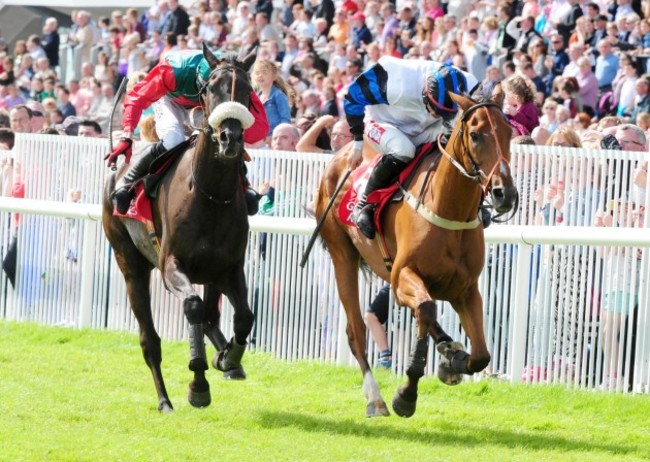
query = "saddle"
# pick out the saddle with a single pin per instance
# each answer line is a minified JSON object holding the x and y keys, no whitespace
{"x":382,"y":197}
{"x":146,"y":188}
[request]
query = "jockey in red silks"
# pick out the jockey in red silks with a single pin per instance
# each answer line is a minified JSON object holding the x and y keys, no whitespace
{"x":173,"y":88}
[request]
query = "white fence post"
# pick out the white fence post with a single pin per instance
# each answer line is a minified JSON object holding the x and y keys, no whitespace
{"x":88,"y":266}
{"x":521,"y":282}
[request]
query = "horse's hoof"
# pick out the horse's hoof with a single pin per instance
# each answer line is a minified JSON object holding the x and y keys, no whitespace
{"x":377,"y":409}
{"x":448,"y":349}
{"x":165,"y":407}
{"x":235,"y":374}
{"x":446,"y":375}
{"x":402,"y":407}
{"x":199,"y":399}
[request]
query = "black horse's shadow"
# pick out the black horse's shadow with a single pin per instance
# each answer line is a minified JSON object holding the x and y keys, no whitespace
{"x":457,"y":434}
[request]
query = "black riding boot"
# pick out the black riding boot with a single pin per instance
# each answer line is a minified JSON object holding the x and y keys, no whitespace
{"x":123,"y":194}
{"x":386,"y":171}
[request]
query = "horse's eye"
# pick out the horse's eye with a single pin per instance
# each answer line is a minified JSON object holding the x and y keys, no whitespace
{"x":475,"y":136}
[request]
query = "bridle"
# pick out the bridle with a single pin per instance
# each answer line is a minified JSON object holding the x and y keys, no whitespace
{"x":207,"y":128}
{"x":202,"y":94}
{"x":478,"y":175}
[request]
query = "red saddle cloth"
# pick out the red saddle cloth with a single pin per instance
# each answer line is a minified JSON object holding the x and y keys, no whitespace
{"x":140,"y":208}
{"x":146,"y":187}
{"x":381,"y":197}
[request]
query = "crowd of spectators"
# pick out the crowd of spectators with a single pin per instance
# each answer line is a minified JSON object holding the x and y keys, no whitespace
{"x":575,"y":73}
{"x":576,"y":62}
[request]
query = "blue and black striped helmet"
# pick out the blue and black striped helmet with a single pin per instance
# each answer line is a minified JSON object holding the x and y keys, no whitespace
{"x":438,"y":83}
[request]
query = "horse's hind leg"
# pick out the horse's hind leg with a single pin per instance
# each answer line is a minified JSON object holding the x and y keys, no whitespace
{"x":229,"y":360}
{"x":346,"y":269}
{"x":137,"y":272}
{"x":179,"y":284}
{"x":136,"y":277}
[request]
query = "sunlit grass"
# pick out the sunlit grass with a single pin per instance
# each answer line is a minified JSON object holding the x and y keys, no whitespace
{"x":87,"y":395}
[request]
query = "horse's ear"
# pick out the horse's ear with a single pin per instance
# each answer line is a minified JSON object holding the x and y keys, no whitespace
{"x":464,"y":102}
{"x":212,"y":60}
{"x":497,"y":95}
{"x":248,"y":60}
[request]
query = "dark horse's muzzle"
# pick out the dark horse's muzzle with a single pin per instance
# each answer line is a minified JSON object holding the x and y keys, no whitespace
{"x":230,"y":137}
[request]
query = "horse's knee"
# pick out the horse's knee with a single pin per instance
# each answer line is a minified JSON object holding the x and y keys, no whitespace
{"x":194,"y":310}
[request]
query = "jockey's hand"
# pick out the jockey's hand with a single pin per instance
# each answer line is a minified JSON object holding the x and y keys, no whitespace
{"x":124,"y":147}
{"x":354,"y":159}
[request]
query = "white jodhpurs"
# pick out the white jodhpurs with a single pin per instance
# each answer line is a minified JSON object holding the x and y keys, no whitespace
{"x":171,"y":118}
{"x":389,"y":140}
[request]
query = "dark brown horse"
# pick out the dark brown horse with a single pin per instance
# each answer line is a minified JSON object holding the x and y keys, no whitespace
{"x":438,"y":250}
{"x":201,"y":221}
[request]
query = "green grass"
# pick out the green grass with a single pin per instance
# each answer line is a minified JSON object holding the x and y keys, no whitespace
{"x":87,"y":395}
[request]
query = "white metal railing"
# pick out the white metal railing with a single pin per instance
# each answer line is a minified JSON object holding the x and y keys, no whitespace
{"x":66,"y":273}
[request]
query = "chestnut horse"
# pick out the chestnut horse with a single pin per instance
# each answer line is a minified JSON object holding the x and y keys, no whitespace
{"x":438,"y":251}
{"x":201,"y":222}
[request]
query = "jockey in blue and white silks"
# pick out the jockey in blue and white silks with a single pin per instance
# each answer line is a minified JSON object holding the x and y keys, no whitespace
{"x":399,"y":104}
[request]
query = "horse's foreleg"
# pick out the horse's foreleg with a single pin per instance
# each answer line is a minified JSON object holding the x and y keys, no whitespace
{"x":179,"y":284}
{"x":212,"y":317}
{"x":229,"y":360}
{"x":470,"y":312}
{"x":410,"y":290}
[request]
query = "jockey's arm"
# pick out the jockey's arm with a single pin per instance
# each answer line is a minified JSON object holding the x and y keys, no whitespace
{"x":368,"y":89}
{"x":260,"y":128}
{"x":156,"y":84}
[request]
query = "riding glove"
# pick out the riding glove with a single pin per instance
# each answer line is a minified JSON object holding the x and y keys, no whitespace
{"x":123,"y":147}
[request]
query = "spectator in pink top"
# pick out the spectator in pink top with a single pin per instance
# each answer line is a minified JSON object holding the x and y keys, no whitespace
{"x":519,"y":104}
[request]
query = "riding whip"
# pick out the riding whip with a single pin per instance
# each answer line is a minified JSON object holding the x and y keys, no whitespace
{"x":319,"y":225}
{"x":116,"y":100}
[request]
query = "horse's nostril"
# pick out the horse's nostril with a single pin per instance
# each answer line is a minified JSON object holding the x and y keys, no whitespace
{"x":497,"y":193}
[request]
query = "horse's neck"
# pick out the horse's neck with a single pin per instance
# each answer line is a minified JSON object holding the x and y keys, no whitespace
{"x":453,"y":196}
{"x":217,"y":177}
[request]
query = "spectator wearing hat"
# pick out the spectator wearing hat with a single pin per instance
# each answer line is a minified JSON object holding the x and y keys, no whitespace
{"x":600,"y":32}
{"x":360,"y":33}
